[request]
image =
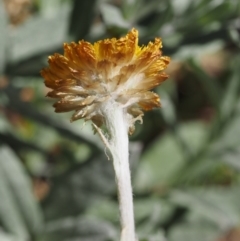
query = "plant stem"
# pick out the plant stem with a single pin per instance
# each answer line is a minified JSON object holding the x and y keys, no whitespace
{"x":119,"y":146}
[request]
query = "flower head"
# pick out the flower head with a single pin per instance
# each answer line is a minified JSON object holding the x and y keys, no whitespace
{"x":87,"y":76}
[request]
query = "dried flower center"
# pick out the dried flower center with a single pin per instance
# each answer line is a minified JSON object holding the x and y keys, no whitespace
{"x":87,"y":76}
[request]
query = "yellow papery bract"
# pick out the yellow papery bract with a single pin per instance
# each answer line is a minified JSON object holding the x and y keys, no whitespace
{"x":87,"y":76}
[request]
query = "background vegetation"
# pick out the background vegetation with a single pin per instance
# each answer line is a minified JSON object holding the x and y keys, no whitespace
{"x":55,"y":181}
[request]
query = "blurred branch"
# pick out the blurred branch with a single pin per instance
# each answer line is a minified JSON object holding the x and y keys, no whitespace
{"x":17,"y":143}
{"x":30,"y":112}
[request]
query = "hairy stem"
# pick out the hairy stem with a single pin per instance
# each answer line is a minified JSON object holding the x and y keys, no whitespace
{"x":119,"y":147}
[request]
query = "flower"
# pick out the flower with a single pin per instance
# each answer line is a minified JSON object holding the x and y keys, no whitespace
{"x":88,"y":76}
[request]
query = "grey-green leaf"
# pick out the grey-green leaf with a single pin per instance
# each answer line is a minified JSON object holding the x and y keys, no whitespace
{"x":3,"y":37}
{"x":20,"y":212}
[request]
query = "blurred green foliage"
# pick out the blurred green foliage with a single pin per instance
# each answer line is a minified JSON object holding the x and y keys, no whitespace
{"x":55,"y":181}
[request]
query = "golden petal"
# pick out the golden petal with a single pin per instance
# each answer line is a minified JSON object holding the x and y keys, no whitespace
{"x":147,"y":55}
{"x":62,"y":106}
{"x":81,"y":55}
{"x":157,"y":66}
{"x":78,"y":100}
{"x":56,"y":94}
{"x":149,"y":100}
{"x":68,"y":90}
{"x":56,"y":71}
{"x":88,"y":80}
{"x":151,"y":82}
{"x":134,"y":111}
{"x":87,"y":55}
{"x":59,"y":65}
{"x":71,"y":55}
{"x":79,"y":114}
{"x":127,"y":71}
{"x":70,"y":102}
{"x":114,"y":82}
{"x":49,"y":78}
{"x":105,"y":69}
{"x":131,"y":92}
{"x":86,"y":112}
{"x":117,"y":50}
{"x":65,"y":82}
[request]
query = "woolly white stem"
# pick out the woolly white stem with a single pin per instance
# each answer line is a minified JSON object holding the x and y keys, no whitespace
{"x":118,"y":128}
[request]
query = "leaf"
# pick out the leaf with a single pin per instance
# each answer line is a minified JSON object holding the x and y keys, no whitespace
{"x":218,"y":206}
{"x":113,"y":17}
{"x":20,"y":192}
{"x":150,"y":214}
{"x":196,"y":52}
{"x":234,"y":35}
{"x":231,"y":158}
{"x":210,"y":85}
{"x":165,"y":157}
{"x":157,"y":236}
{"x":153,"y":210}
{"x":3,"y":36}
{"x":180,"y":9}
{"x":128,"y":7}
{"x":232,"y":91}
{"x":82,"y":12}
{"x":79,"y":188}
{"x":39,"y":35}
{"x":49,"y":8}
{"x":8,"y":237}
{"x":142,"y":10}
{"x":104,"y":208}
{"x":229,"y":136}
{"x":19,"y":211}
{"x":168,"y":109}
{"x":196,"y":232}
{"x":158,"y":164}
{"x":80,"y":228}
{"x":65,"y":129}
{"x":7,"y":138}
